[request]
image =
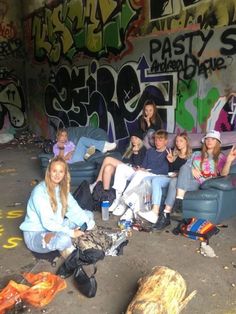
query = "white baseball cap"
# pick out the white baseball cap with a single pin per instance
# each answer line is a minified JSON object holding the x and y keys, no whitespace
{"x":213,"y":134}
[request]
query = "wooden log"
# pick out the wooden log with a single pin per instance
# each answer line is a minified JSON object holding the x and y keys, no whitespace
{"x":161,"y":292}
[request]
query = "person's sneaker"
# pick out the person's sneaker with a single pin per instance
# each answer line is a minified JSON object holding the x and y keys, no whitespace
{"x":149,"y":216}
{"x":128,"y":215}
{"x":178,"y":206}
{"x":90,"y":151}
{"x":162,"y":221}
{"x":115,"y":203}
{"x":108,"y":146}
{"x":120,"y":209}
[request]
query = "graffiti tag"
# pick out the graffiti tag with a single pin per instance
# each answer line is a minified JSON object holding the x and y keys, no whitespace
{"x":95,"y":28}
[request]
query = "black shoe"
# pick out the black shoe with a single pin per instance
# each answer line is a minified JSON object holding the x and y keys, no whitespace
{"x":162,"y":221}
{"x":178,"y":206}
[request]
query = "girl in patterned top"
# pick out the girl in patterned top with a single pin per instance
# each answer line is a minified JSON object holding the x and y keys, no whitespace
{"x":208,"y":163}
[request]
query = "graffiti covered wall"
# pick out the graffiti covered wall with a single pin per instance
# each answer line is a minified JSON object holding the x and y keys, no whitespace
{"x":96,"y":62}
{"x":12,"y":89}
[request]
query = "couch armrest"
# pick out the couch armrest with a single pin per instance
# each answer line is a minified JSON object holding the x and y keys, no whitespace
{"x":45,"y":156}
{"x":220,"y":183}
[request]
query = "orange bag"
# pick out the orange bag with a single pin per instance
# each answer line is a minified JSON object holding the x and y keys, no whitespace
{"x":44,"y":287}
{"x":10,"y":295}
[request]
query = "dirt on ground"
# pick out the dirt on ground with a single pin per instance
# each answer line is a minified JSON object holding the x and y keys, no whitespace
{"x":117,"y":276}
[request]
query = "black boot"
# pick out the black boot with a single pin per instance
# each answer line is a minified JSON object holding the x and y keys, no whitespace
{"x":162,"y":221}
{"x":178,"y":206}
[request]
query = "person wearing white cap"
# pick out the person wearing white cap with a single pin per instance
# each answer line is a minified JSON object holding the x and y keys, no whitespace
{"x":205,"y":164}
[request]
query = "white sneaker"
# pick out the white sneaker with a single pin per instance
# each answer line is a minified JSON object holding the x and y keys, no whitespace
{"x":115,"y":203}
{"x":120,"y":210}
{"x":108,"y":146}
{"x":128,"y":215}
{"x":149,"y":216}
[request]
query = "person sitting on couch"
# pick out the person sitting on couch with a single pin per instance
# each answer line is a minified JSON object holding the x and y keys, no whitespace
{"x":181,"y":153}
{"x":82,"y":151}
{"x":53,"y":216}
{"x":133,"y":155}
{"x":154,"y":163}
{"x":208,"y":163}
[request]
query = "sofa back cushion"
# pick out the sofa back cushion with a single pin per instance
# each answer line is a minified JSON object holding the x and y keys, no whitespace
{"x":74,"y":133}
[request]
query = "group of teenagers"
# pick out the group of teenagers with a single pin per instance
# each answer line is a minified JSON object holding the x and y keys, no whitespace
{"x":54,"y":218}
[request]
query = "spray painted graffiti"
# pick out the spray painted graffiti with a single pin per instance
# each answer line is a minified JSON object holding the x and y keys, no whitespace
{"x":160,"y":9}
{"x":11,"y":47}
{"x":3,"y":9}
{"x":187,"y":3}
{"x":7,"y":30}
{"x":12,"y":241}
{"x":202,"y":14}
{"x":101,"y":97}
{"x":10,"y":43}
{"x":212,"y":112}
{"x":96,"y":28}
{"x":223,"y":114}
{"x":11,"y":100}
{"x":190,"y":47}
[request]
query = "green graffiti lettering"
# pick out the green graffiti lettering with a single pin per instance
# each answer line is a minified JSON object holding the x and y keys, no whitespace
{"x":94,"y":27}
{"x":39,"y":33}
{"x":205,"y":105}
{"x":94,"y":120}
{"x":186,"y":89}
{"x":60,"y":29}
{"x":112,"y":31}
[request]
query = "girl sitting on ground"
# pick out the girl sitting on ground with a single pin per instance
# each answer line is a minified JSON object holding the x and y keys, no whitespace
{"x":181,"y":152}
{"x":133,"y":155}
{"x":208,"y":163}
{"x":82,"y":151}
{"x":53,"y":216}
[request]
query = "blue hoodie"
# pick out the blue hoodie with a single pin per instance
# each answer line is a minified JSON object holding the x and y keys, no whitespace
{"x":40,"y":217}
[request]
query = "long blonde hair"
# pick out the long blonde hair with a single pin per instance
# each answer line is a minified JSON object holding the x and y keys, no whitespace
{"x":129,"y":150}
{"x":176,"y":151}
{"x":64,"y":186}
{"x":216,"y":153}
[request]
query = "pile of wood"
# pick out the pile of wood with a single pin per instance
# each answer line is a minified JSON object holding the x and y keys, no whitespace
{"x":163,"y":291}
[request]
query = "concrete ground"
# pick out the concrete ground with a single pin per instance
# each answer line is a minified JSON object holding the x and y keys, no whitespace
{"x":213,"y":278}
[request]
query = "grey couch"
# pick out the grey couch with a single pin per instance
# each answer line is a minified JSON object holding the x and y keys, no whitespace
{"x":83,"y":170}
{"x":214,"y":201}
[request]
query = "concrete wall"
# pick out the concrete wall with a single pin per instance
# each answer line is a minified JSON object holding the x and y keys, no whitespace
{"x":13,"y":99}
{"x":96,"y":64}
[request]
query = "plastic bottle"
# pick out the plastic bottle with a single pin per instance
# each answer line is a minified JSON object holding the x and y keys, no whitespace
{"x":105,"y":210}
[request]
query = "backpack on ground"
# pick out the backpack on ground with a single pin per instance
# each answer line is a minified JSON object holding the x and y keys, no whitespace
{"x":196,"y":229}
{"x":99,"y":195}
{"x":83,"y":196}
